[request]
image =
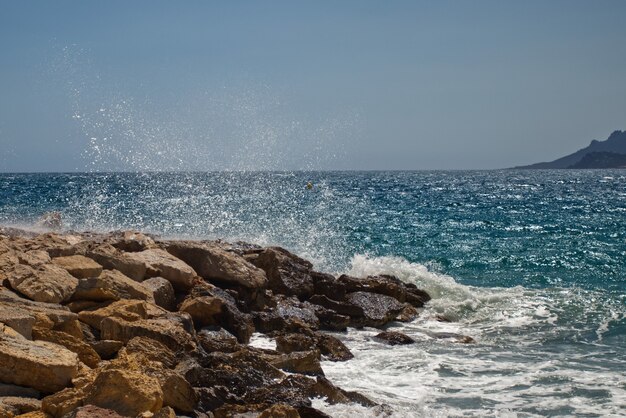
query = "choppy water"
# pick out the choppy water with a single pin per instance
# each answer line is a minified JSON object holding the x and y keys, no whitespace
{"x":532,"y":264}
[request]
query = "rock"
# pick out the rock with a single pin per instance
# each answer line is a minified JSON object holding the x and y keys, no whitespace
{"x":294,"y":390}
{"x":160,"y":263}
{"x":386,"y":285}
{"x":210,"y":399}
{"x":459,"y":338}
{"x":377,"y":309}
{"x":85,"y":352}
{"x":106,"y":349}
{"x":334,"y":395}
{"x":287,"y":273}
{"x":132,"y":241}
{"x":165,"y":412}
{"x":280,"y":411}
{"x":16,"y":405}
{"x":306,"y":362}
{"x":20,"y":391}
{"x":113,"y":259}
{"x":165,"y":330}
{"x":213,"y":263}
{"x":91,"y":411}
{"x":79,"y":266}
{"x":126,"y":392}
{"x":342,"y":308}
{"x":34,"y":258}
{"x":394,"y":338}
{"x":162,"y":292}
{"x":130,"y":310}
{"x":205,"y":310}
{"x":287,"y":314}
{"x":41,"y":311}
{"x":110,"y":285}
{"x":328,"y":345}
{"x":150,"y":350}
{"x":18,"y":319}
{"x":212,"y":339}
{"x":40,"y":365}
{"x":45,"y":283}
{"x":408,"y":314}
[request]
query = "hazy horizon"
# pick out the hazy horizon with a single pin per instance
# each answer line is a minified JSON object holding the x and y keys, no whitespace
{"x":202,"y":86}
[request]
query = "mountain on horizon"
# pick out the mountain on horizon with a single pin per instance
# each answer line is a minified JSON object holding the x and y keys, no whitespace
{"x":599,"y":154}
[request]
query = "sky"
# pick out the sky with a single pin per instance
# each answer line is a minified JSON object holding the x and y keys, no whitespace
{"x":317,"y":85}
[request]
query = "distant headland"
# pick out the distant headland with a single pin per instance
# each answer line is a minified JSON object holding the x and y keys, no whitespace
{"x":599,"y":154}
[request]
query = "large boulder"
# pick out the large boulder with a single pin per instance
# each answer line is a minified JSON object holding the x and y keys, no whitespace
{"x":13,"y":406}
{"x":377,"y":309}
{"x":214,"y":263}
{"x":39,"y":365}
{"x":44,"y":283}
{"x":286,"y":314}
{"x":110,"y":285}
{"x":386,"y":285}
{"x":79,"y":266}
{"x":162,"y":292}
{"x":160,"y":263}
{"x":204,"y":310}
{"x":85,"y":352}
{"x":331,"y":347}
{"x":41,"y":311}
{"x":18,"y":319}
{"x":168,"y":331}
{"x":287,"y":273}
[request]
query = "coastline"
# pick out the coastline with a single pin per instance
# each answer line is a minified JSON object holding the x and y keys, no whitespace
{"x":140,"y":326}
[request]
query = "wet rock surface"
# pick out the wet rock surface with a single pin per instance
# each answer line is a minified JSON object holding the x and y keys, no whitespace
{"x":125,"y":325}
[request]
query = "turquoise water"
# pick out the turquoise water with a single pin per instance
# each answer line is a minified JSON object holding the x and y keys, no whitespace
{"x":532,"y":264}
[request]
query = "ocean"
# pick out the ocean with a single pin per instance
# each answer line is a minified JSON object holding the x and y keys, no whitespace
{"x":531,"y":264}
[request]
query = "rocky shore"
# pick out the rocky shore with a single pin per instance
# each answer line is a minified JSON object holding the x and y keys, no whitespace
{"x":125,"y":324}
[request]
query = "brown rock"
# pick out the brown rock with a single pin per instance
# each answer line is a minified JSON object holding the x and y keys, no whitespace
{"x":394,"y":338}
{"x":18,"y":319}
{"x":165,"y":330}
{"x":113,"y":259}
{"x":205,"y":310}
{"x":160,"y":263}
{"x":130,"y":310}
{"x":409,"y":313}
{"x":16,"y":405}
{"x":91,"y":411}
{"x":132,"y":241}
{"x":34,"y":258}
{"x":19,"y":391}
{"x":106,"y":349}
{"x":126,"y":392}
{"x":386,"y":285}
{"x":280,"y":411}
{"x":328,"y":345}
{"x":306,"y":362}
{"x":110,"y":285}
{"x":162,"y":292}
{"x":39,"y":365}
{"x":79,"y":266}
{"x":166,"y":412}
{"x":53,"y":313}
{"x":217,"y":339}
{"x":150,"y":350}
{"x":377,"y":309}
{"x":45,"y":283}
{"x":342,"y":308}
{"x":287,"y":314}
{"x":85,"y":352}
{"x":212,"y":262}
{"x":287,"y":273}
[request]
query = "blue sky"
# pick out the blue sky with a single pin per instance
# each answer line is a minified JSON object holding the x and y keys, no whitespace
{"x":204,"y":85}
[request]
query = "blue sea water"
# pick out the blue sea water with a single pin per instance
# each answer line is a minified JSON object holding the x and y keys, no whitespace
{"x":531,"y":264}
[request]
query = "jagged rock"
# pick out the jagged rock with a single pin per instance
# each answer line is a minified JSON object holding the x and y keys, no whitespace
{"x":306,"y":362}
{"x":334,"y":395}
{"x":409,"y":313}
{"x":342,"y":308}
{"x":39,"y":365}
{"x":130,"y":310}
{"x":79,"y":266}
{"x":151,"y":350}
{"x":91,"y":411}
{"x":377,"y":309}
{"x":166,"y":412}
{"x":213,"y":263}
{"x":41,"y":311}
{"x":205,"y":310}
{"x":329,"y":319}
{"x":394,"y":338}
{"x":110,"y":285}
{"x":217,"y":340}
{"x":131,"y":241}
{"x":15,"y":405}
{"x":386,"y":285}
{"x":34,"y":258}
{"x":287,"y":273}
{"x":162,"y":292}
{"x":210,"y":399}
{"x":160,"y":263}
{"x":294,"y":390}
{"x":280,"y":411}
{"x":44,"y":283}
{"x":106,"y":349}
{"x":287,"y":314}
{"x":18,"y":319}
{"x":328,"y":345}
{"x":113,"y":259}
{"x":85,"y":352}
{"x":165,"y":330}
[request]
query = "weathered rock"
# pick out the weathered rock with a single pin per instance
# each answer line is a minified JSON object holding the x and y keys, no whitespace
{"x":217,"y":340}
{"x":306,"y":362}
{"x":394,"y":338}
{"x":287,"y":273}
{"x":18,"y":319}
{"x":386,"y":285}
{"x":41,"y":311}
{"x":409,"y":313}
{"x":205,"y":310}
{"x":342,"y":308}
{"x":79,"y":266}
{"x":210,"y":399}
{"x":377,"y":309}
{"x":162,"y":292}
{"x":39,"y":365}
{"x":20,"y":391}
{"x":214,"y":263}
{"x":110,"y":285}
{"x":165,"y":330}
{"x":106,"y":349}
{"x":459,"y":338}
{"x":85,"y":352}
{"x":34,"y":258}
{"x":280,"y":411}
{"x":328,"y":345}
{"x":91,"y":411}
{"x":16,"y":406}
{"x":44,"y":283}
{"x":130,"y":310}
{"x":126,"y":392}
{"x":132,"y":241}
{"x":160,"y":263}
{"x":111,"y":258}
{"x":165,"y":412}
{"x":150,"y":350}
{"x":287,"y":314}
{"x":294,"y":390}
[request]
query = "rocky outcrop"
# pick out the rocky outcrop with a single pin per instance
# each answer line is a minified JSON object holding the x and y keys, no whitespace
{"x":394,"y":338}
{"x":122,"y":324}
